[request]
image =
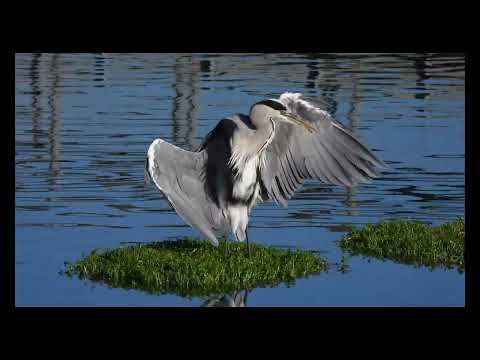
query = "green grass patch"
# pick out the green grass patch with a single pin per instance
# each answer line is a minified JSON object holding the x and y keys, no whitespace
{"x":194,"y":268}
{"x":410,"y":243}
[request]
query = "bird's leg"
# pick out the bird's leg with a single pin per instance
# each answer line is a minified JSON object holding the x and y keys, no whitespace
{"x":225,"y":251}
{"x":248,"y":244}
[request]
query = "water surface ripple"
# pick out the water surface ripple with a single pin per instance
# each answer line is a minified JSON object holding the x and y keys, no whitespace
{"x":83,"y":123}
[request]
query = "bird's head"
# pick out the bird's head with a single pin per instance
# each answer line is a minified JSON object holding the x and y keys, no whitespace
{"x":262,"y":112}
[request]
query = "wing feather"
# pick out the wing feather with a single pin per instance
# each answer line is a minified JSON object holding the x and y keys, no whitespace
{"x":179,"y":174}
{"x":330,"y":153}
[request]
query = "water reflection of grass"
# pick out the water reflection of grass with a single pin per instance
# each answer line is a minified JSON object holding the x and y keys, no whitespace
{"x":194,"y":268}
{"x":410,"y":242}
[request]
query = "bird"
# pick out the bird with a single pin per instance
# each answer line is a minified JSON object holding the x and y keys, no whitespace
{"x":264,"y":156}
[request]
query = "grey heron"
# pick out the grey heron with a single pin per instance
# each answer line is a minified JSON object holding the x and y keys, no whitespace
{"x":249,"y":159}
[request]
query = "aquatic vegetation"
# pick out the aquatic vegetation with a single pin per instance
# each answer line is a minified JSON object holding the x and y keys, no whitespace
{"x":189,"y":267}
{"x":410,"y":242}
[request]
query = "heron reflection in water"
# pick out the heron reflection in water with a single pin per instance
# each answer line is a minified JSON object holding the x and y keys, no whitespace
{"x":237,"y":299}
{"x":249,"y":159}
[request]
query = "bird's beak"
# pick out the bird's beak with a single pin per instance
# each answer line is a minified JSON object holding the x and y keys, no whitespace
{"x":297,"y":120}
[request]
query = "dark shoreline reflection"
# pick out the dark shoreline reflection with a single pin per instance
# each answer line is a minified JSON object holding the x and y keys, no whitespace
{"x":54,"y":131}
{"x":36,"y":92}
{"x":353,"y":123}
{"x":99,"y":70}
{"x":185,"y":101}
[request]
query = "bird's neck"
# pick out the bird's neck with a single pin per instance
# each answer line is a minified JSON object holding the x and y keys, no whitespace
{"x":248,"y":147}
{"x":263,"y":136}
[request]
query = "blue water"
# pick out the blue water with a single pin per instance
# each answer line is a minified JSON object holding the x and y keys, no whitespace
{"x":84,"y":122}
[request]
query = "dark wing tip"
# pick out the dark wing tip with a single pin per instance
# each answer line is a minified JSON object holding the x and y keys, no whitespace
{"x":146,"y":174}
{"x":382,"y":164}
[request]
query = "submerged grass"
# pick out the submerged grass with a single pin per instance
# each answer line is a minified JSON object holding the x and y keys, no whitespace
{"x":191,"y":267}
{"x":410,"y":242}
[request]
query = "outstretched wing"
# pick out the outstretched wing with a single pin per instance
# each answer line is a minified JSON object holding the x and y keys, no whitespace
{"x":179,"y":174}
{"x":325,"y":151}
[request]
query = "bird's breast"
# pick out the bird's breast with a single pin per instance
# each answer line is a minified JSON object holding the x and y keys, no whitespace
{"x":244,"y":184}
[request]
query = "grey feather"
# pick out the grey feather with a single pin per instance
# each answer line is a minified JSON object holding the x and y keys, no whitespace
{"x":237,"y":299}
{"x":180,"y":175}
{"x":266,"y":155}
{"x":329,"y":153}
